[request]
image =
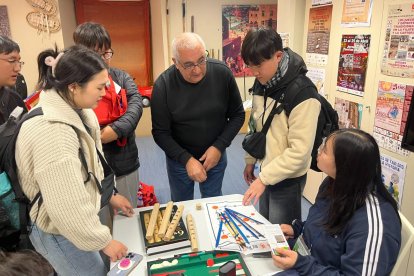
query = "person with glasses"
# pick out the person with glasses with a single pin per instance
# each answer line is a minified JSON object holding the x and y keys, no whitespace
{"x":10,"y":67}
{"x":354,"y":227}
{"x":196,"y":112}
{"x":123,"y":160}
{"x":289,"y":140}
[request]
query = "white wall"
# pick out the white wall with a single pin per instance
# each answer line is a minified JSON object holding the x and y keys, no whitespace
{"x":68,"y":21}
{"x":159,"y":39}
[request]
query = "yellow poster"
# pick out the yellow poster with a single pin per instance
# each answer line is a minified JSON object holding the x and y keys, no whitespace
{"x":356,"y":13}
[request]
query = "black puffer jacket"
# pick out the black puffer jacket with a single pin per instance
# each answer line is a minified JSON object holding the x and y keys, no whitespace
{"x":124,"y":160}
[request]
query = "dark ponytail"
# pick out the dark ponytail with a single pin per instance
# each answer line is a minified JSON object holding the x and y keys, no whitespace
{"x":45,"y":71}
{"x":77,"y":65}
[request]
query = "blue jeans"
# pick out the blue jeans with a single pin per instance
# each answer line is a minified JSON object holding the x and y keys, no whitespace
{"x":182,"y":187}
{"x":65,"y":257}
{"x":282,"y":202}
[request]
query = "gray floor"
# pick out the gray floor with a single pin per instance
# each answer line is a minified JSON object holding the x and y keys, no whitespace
{"x":153,"y":170}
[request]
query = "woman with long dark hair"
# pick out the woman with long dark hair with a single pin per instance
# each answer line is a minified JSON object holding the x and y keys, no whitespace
{"x":354,"y":227}
{"x":65,"y":225}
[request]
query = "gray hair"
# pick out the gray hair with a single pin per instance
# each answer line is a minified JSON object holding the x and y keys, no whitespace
{"x":186,"y":41}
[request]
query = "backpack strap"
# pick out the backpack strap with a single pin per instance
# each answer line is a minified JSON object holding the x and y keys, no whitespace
{"x":295,"y":95}
{"x":85,"y":166}
{"x":291,"y":100}
{"x":275,"y":110}
{"x":105,"y":166}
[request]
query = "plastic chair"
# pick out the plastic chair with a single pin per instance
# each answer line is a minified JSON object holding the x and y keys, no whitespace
{"x":407,"y":239}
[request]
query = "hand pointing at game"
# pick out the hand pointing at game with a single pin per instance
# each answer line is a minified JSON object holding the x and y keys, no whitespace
{"x":255,"y":190}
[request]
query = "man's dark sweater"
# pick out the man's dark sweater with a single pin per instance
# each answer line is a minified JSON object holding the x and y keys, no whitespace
{"x":189,"y":118}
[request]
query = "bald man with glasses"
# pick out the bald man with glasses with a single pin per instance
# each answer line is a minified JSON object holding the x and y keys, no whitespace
{"x":196,"y":112}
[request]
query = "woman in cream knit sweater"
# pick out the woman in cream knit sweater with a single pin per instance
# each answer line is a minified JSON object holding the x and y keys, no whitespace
{"x":66,"y":228}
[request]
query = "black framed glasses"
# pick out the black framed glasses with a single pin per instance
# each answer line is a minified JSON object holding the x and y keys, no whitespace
{"x":14,"y":62}
{"x":191,"y":66}
{"x":107,"y":54}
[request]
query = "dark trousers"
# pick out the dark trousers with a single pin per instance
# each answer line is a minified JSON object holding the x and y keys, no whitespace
{"x":182,"y":187}
{"x":282,"y":202}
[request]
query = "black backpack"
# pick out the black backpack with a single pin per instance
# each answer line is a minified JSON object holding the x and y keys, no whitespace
{"x":14,"y":205}
{"x":328,"y":117}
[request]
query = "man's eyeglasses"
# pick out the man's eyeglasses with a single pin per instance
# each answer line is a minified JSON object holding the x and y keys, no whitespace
{"x":14,"y":62}
{"x":191,"y":66}
{"x":107,"y":54}
{"x":254,"y":67}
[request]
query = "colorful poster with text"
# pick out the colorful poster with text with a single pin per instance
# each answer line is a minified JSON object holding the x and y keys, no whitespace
{"x":237,"y":21}
{"x":393,"y":103}
{"x":353,"y":61}
{"x":398,"y":54}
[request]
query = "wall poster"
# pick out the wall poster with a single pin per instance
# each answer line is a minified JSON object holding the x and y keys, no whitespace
{"x":393,"y":103}
{"x":4,"y":22}
{"x":349,"y":113}
{"x":398,"y":56}
{"x":319,"y":28}
{"x":393,"y":176}
{"x":356,"y":13}
{"x":353,"y":62}
{"x":237,"y":21}
{"x":285,"y":39}
{"x":317,"y":76}
{"x":321,"y":2}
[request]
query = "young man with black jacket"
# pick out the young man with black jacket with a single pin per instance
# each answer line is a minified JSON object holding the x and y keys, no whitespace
{"x":122,"y":159}
{"x":10,"y":66}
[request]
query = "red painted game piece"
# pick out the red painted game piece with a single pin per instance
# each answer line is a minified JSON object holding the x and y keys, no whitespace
{"x":210,"y":262}
{"x":221,"y":255}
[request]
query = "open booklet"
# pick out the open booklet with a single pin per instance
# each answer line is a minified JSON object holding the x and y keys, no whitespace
{"x":274,"y":236}
{"x":300,"y":246}
{"x":276,"y":239}
{"x":235,"y":227}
